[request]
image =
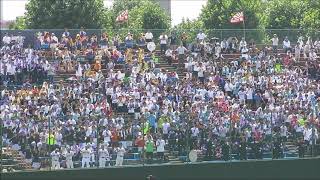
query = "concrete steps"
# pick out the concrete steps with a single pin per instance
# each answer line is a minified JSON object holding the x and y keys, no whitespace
{"x":18,"y":160}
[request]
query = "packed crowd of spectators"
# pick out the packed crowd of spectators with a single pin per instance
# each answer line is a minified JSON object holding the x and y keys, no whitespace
{"x":250,"y":105}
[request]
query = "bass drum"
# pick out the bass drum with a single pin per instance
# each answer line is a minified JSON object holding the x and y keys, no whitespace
{"x":193,"y":156}
{"x":151,"y":46}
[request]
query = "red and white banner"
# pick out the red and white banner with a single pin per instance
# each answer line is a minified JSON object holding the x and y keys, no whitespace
{"x":123,"y":16}
{"x":237,"y":18}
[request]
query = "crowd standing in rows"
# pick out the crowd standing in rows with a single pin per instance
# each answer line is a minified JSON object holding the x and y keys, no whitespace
{"x":254,"y":102}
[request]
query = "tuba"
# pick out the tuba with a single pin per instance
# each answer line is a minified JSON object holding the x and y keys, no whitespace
{"x":129,"y":56}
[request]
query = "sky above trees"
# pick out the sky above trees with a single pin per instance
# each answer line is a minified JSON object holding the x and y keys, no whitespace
{"x":10,"y":9}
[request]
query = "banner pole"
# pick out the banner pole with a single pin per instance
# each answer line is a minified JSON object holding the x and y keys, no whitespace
{"x":244,"y":28}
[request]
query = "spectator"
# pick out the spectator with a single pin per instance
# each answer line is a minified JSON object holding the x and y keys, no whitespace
{"x":184,"y":39}
{"x":287,"y":45}
{"x":149,"y":36}
{"x":160,"y":143}
{"x":169,"y":56}
{"x":66,"y":33}
{"x":275,"y":43}
{"x":163,"y":42}
{"x":201,"y":36}
{"x":181,"y":53}
{"x":242,"y":44}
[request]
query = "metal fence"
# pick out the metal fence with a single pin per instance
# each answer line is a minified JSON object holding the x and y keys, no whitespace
{"x":259,"y":36}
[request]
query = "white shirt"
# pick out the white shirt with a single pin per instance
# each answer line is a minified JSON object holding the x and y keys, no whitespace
{"x":275,"y":41}
{"x":228,"y":87}
{"x":201,"y":36}
{"x":286,"y":44}
{"x":55,"y":156}
{"x":242,"y":94}
{"x":283,"y":131}
{"x":242,"y":43}
{"x":181,"y":50}
{"x":86,"y":153}
{"x":169,"y":53}
{"x":249,"y":94}
{"x":163,"y":39}
{"x":69,"y":156}
{"x":54,"y":38}
{"x":107,"y":136}
{"x":103,"y":153}
{"x":195,"y":131}
{"x":149,"y":35}
{"x":120,"y":152}
{"x":201,"y":71}
{"x":6,"y":40}
{"x":307,"y":133}
{"x":165,"y":128}
{"x":160,"y":145}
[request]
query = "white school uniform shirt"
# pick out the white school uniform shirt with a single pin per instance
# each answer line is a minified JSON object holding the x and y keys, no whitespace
{"x":149,"y":35}
{"x":69,"y":155}
{"x":160,"y":143}
{"x":194,"y":131}
{"x":201,"y":36}
{"x":307,"y":133}
{"x":6,"y":39}
{"x":275,"y":41}
{"x":165,"y":127}
{"x":107,"y":136}
{"x":120,"y":152}
{"x":283,"y":131}
{"x":286,"y":44}
{"x":103,"y":153}
{"x":86,"y":153}
{"x":55,"y":156}
{"x":169,"y":53}
{"x":163,"y":39}
{"x":228,"y":87}
{"x":249,"y":93}
{"x":242,"y":43}
{"x":201,"y":71}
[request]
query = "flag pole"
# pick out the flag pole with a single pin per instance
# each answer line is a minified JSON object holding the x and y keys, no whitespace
{"x":244,"y":27}
{"x":128,"y":19}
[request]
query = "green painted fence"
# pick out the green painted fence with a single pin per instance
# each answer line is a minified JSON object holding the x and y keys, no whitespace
{"x":277,"y":169}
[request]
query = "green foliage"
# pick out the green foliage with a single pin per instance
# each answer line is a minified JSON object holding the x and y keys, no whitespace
{"x":18,"y":24}
{"x":143,"y":15}
{"x":191,"y":27}
{"x":121,"y":5}
{"x":217,"y":13}
{"x":57,"y":14}
{"x":148,"y":15}
{"x":293,"y":14}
